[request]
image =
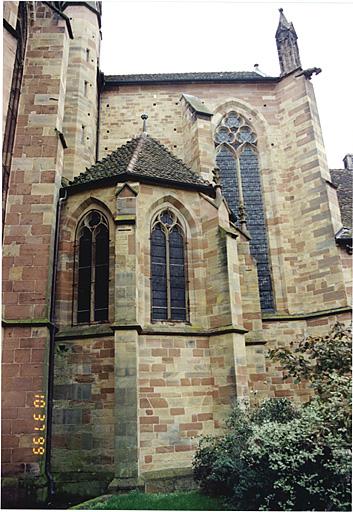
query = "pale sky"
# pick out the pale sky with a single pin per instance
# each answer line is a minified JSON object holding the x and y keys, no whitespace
{"x":161,"y":36}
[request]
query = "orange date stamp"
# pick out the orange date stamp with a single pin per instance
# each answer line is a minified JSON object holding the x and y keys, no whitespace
{"x":39,"y":440}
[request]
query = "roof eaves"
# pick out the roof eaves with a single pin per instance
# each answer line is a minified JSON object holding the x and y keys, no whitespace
{"x":128,"y":176}
{"x":115,"y":81}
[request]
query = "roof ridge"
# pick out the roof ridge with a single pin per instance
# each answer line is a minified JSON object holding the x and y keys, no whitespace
{"x":129,"y":78}
{"x":185,"y":73}
{"x":135,"y":154}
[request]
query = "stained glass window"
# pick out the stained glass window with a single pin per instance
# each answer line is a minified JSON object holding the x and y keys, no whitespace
{"x":168,"y":274}
{"x":93,"y":268}
{"x":241,"y":186}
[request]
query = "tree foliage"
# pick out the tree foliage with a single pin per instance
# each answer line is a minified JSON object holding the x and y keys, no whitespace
{"x":283,"y":457}
{"x":322,"y":360}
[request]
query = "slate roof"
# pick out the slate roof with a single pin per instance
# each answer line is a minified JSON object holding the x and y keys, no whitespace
{"x":343,"y":180}
{"x":143,"y":158}
{"x":218,"y":76}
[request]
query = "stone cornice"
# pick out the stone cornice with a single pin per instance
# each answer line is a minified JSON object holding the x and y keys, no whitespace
{"x":84,"y":331}
{"x":27,"y":322}
{"x":278,"y":317}
{"x":94,"y":331}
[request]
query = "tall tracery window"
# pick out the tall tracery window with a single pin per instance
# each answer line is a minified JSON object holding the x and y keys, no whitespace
{"x":168,"y":272}
{"x":92,"y":275}
{"x":237,"y":160}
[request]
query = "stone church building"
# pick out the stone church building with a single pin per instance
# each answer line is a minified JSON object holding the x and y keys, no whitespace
{"x":149,"y":264}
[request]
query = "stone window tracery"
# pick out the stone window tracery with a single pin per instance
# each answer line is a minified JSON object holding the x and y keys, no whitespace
{"x":92,"y":274}
{"x":168,"y":268}
{"x":237,"y":159}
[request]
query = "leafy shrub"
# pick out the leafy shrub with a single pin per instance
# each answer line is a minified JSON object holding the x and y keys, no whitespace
{"x":322,"y":360}
{"x":279,"y":457}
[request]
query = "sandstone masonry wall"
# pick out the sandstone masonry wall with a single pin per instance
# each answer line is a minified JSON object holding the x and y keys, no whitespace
{"x":81,"y":101}
{"x":28,"y":235}
{"x":292,"y":164}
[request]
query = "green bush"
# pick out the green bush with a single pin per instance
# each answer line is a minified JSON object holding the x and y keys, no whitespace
{"x":279,"y":457}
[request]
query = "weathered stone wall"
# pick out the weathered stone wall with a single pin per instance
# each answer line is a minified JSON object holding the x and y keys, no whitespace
{"x":174,"y":381}
{"x":346,"y":262}
{"x":311,"y":265}
{"x":176,"y":387}
{"x":10,"y":12}
{"x":81,"y":101}
{"x":293,"y":172}
{"x":29,"y":236}
{"x":24,"y":350}
{"x":266,"y":377}
{"x":9,"y":53}
{"x":83,"y":415}
{"x":198,"y":140}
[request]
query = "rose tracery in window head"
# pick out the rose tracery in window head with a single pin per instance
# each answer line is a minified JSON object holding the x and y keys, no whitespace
{"x":93,"y":221}
{"x":235,"y":131}
{"x":167,"y":220}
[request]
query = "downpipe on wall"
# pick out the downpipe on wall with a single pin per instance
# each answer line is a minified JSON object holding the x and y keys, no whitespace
{"x":53,"y":330}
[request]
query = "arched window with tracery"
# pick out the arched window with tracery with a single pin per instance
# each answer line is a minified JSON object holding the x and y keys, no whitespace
{"x":168,"y":268}
{"x":91,"y":284}
{"x":237,"y":159}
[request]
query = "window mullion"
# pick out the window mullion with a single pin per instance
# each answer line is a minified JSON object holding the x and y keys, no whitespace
{"x":169,"y":309}
{"x":93,"y":277}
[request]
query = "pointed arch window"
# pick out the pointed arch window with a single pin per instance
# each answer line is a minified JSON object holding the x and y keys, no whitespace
{"x":92,"y":276}
{"x":168,"y":268}
{"x":237,"y":159}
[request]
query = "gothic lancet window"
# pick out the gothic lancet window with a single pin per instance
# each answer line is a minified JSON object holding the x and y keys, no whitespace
{"x":92,"y":275}
{"x":168,"y":273}
{"x":237,"y":159}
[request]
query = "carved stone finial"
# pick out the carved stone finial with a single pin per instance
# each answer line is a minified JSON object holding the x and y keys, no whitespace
{"x":144,"y":117}
{"x":216,"y":177}
{"x":242,"y":217}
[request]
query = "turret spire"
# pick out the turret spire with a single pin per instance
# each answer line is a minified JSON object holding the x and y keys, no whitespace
{"x":287,"y":47}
